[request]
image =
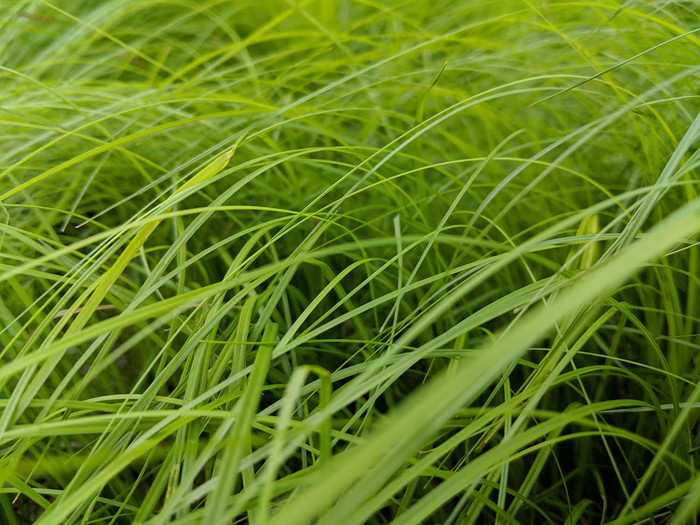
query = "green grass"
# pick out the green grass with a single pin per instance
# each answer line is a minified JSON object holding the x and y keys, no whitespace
{"x":349,"y":261}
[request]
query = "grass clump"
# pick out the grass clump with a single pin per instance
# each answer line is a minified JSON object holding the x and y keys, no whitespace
{"x":287,"y":262}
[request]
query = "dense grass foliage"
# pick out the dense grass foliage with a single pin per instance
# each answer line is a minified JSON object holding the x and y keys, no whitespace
{"x":349,"y":261}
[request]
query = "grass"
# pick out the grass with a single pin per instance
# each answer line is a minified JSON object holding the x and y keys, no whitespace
{"x":349,"y":261}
